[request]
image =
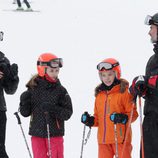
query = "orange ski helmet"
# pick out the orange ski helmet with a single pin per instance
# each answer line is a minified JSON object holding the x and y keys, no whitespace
{"x":110,"y":64}
{"x":45,"y":60}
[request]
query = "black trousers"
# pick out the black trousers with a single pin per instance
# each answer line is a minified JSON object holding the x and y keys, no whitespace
{"x":25,"y":1}
{"x":3,"y":121}
{"x":150,"y":136}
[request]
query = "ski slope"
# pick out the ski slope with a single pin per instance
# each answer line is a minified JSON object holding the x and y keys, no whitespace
{"x":82,"y":32}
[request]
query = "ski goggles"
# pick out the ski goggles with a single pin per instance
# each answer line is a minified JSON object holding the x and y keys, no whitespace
{"x":52,"y":63}
{"x":106,"y":66}
{"x":1,"y":36}
{"x":149,"y":20}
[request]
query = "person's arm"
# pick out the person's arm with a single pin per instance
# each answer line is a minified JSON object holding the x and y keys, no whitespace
{"x":129,"y":105}
{"x":25,"y":103}
{"x":10,"y":79}
{"x":64,"y":110}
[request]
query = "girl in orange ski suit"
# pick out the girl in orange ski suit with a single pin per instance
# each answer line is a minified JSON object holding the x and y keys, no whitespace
{"x":111,"y":99}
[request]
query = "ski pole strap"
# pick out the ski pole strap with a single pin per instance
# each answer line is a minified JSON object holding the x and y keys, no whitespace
{"x":18,"y":118}
{"x":88,"y":135}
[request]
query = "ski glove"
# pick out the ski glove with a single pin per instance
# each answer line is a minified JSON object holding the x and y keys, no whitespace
{"x":25,"y":98}
{"x":138,"y":87}
{"x":10,"y":71}
{"x":87,"y":119}
{"x":119,"y":118}
{"x":25,"y":104}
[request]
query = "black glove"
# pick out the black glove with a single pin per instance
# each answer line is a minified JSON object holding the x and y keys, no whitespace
{"x":5,"y":68}
{"x":10,"y":71}
{"x":25,"y":104}
{"x":119,"y":118}
{"x":13,"y":70}
{"x":138,"y":87}
{"x":87,"y":119}
{"x":25,"y":98}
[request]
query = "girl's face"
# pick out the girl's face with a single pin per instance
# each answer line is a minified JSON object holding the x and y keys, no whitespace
{"x":108,"y":77}
{"x":52,"y":72}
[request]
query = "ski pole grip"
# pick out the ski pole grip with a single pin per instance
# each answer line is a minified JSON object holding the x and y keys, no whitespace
{"x":18,"y":118}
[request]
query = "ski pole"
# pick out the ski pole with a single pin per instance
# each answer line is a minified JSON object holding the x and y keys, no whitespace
{"x":128,"y":129}
{"x":88,"y":135}
{"x":141,"y":127}
{"x":83,"y":137}
{"x":84,"y":140}
{"x":19,"y":122}
{"x":116,"y":141}
{"x":48,"y":135}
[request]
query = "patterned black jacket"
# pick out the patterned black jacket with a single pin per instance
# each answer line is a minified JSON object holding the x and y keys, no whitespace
{"x":57,"y":98}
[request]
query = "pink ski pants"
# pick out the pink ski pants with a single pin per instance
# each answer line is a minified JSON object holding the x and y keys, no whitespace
{"x":40,"y":147}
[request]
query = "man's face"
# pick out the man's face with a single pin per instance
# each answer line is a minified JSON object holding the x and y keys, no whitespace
{"x":153,"y":33}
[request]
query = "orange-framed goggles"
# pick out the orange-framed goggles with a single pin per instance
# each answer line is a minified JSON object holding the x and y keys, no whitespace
{"x":58,"y":62}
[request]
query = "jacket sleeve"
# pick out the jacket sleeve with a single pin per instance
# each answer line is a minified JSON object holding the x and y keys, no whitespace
{"x":25,"y":104}
{"x":64,"y":110}
{"x":130,"y":106}
{"x":95,"y":114}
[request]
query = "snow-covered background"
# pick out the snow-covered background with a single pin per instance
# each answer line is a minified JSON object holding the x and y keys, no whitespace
{"x":82,"y":32}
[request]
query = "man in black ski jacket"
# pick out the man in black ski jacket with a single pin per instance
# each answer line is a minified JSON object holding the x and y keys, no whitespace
{"x":147,"y":87}
{"x":8,"y":82}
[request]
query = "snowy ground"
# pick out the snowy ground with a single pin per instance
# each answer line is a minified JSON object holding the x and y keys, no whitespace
{"x":82,"y":32}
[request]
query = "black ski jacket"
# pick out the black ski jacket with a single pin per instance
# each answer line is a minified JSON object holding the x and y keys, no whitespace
{"x":151,"y":98}
{"x":9,"y":85}
{"x":59,"y":107}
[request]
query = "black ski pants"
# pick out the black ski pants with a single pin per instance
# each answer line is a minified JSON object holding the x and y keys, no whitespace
{"x":150,"y":136}
{"x":25,"y":1}
{"x":3,"y":121}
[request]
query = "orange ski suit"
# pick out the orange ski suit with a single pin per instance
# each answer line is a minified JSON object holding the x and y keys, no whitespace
{"x":106,"y":103}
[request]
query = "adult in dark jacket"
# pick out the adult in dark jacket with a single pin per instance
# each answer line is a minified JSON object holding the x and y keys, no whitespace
{"x":147,"y":87}
{"x":8,"y":82}
{"x":44,"y":97}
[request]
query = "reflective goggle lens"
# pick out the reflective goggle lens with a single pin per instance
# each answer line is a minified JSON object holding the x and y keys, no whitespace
{"x":106,"y":66}
{"x":53,"y":63}
{"x":149,"y":20}
{"x":56,"y":63}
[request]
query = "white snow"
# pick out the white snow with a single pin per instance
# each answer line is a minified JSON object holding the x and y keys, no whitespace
{"x":82,"y":32}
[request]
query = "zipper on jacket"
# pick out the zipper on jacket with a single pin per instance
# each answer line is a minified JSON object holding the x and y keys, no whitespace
{"x":105,"y":118}
{"x":57,"y":122}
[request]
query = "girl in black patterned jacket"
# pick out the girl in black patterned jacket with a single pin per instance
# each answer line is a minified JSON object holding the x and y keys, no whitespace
{"x":48,"y":103}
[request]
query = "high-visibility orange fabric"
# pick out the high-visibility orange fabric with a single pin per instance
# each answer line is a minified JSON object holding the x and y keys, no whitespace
{"x":106,"y":103}
{"x":109,"y":150}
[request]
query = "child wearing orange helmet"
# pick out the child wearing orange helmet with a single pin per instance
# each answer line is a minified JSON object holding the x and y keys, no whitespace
{"x":113,"y":112}
{"x":49,"y":105}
